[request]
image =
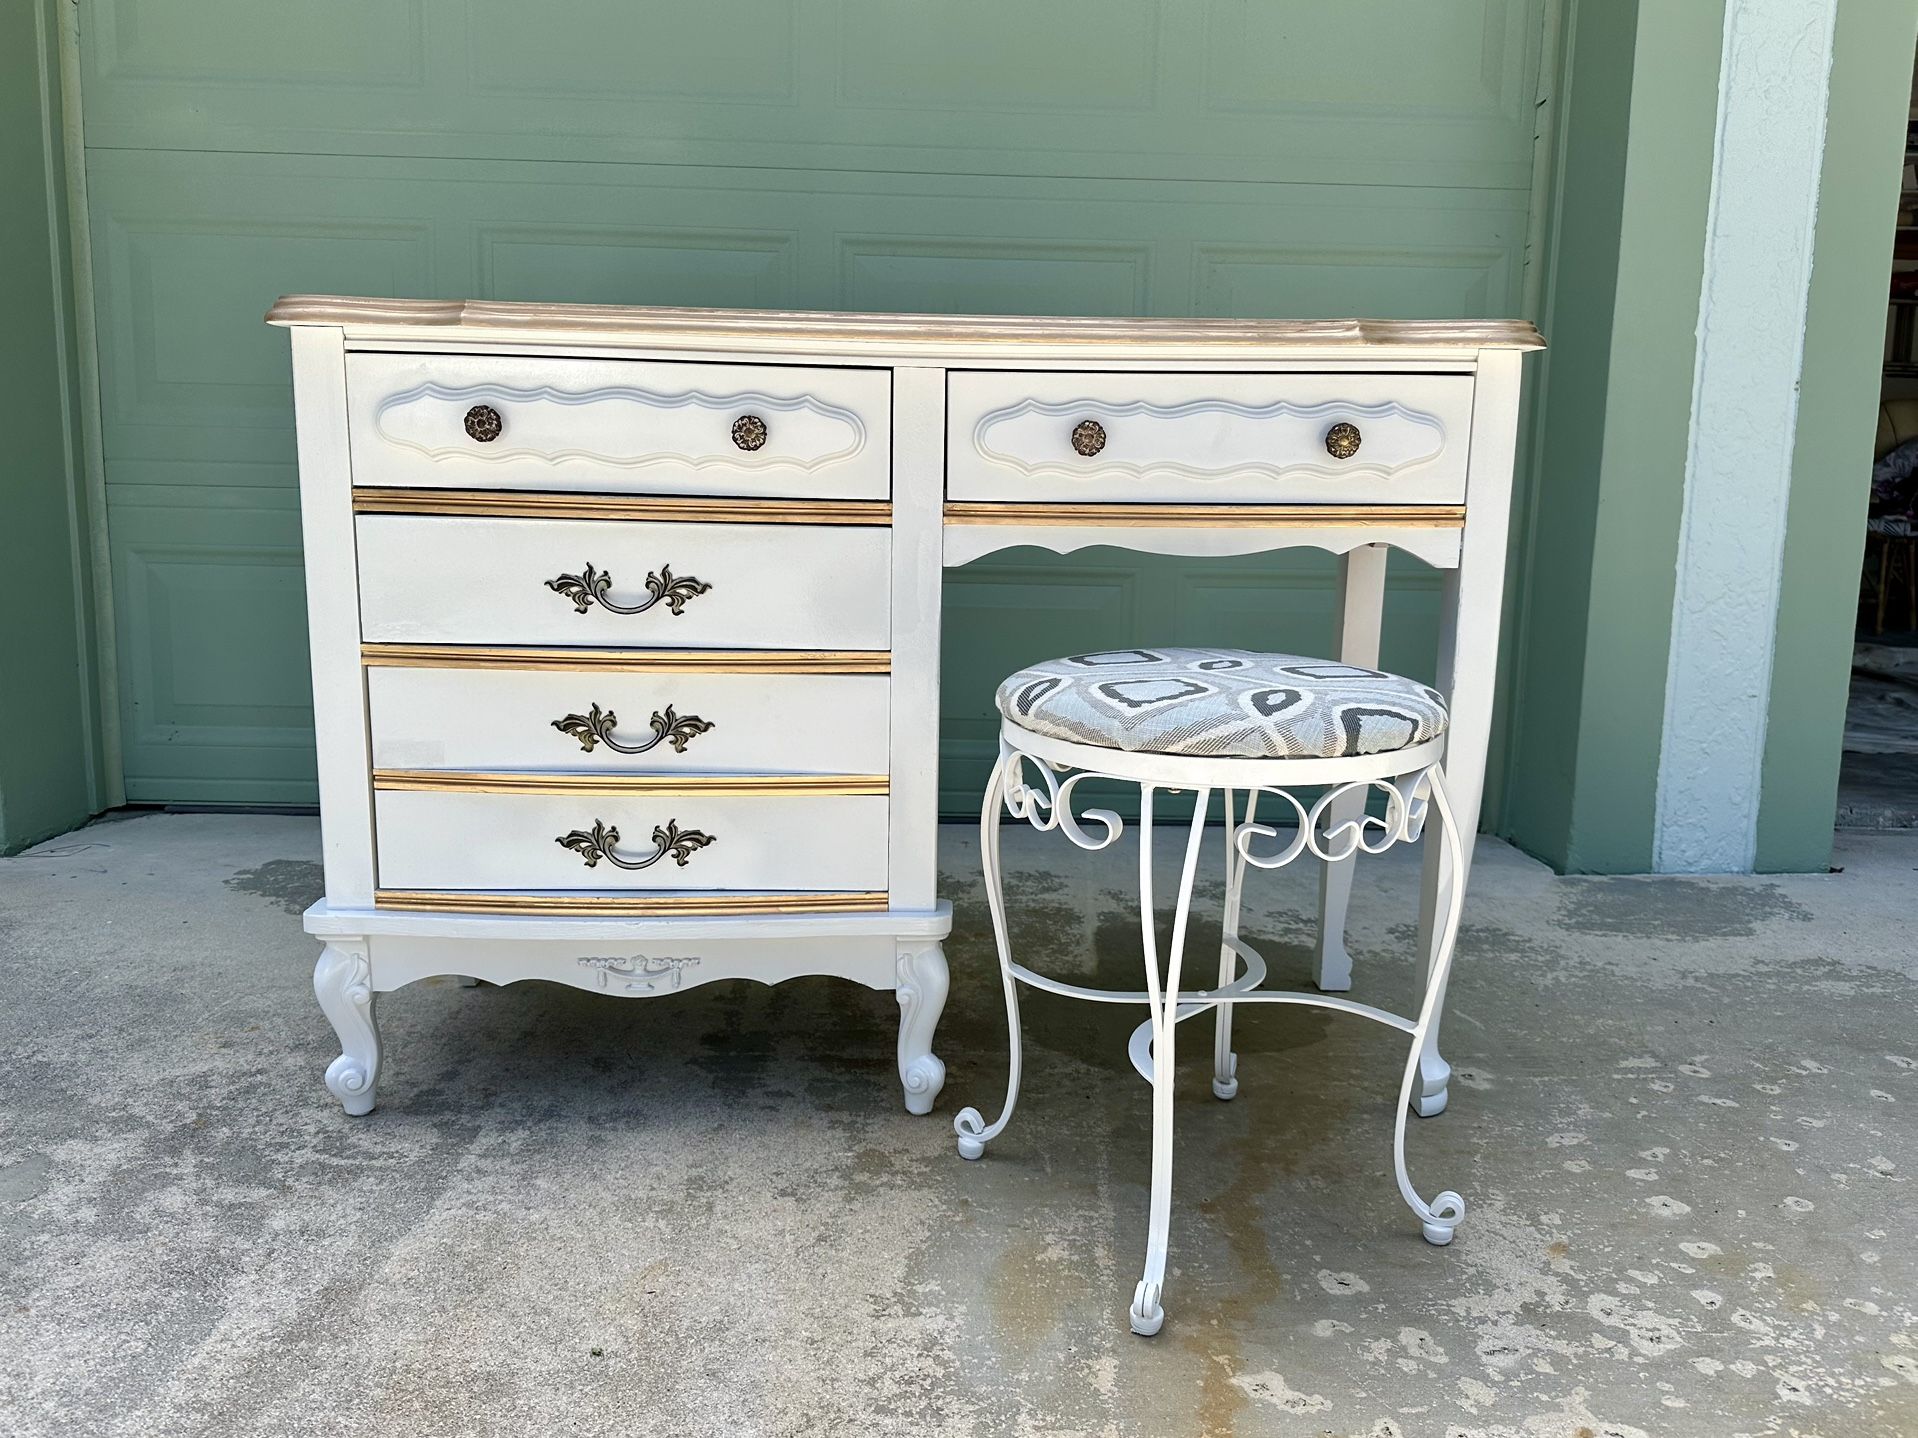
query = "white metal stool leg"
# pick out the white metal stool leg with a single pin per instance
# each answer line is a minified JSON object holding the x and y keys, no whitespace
{"x":970,"y":1125}
{"x":1441,"y":1216}
{"x":1225,"y":1063}
{"x":1147,"y":1314}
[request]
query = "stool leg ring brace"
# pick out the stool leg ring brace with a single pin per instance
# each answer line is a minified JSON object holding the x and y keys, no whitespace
{"x":1047,"y":805}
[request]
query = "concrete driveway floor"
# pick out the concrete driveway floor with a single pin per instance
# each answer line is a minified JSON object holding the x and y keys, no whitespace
{"x":1685,"y":1117}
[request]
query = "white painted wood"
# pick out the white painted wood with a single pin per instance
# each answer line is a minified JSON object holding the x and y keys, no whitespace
{"x":1208,"y":357}
{"x":919,"y":399}
{"x":1198,"y":413}
{"x":437,"y":579}
{"x":1195,"y":439}
{"x":504,"y":719}
{"x":324,"y":920}
{"x":651,"y":965}
{"x":967,"y":542}
{"x":921,"y":987}
{"x":619,"y":425}
{"x":343,"y":983}
{"x":1468,"y":666}
{"x":441,"y":840}
{"x":333,"y":615}
{"x":894,"y":337}
{"x":1356,"y":624}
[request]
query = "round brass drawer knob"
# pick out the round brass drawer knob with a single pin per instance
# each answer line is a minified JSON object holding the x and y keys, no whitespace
{"x":749,"y":432}
{"x":1342,"y":440}
{"x":483,"y":423}
{"x":1088,"y":437}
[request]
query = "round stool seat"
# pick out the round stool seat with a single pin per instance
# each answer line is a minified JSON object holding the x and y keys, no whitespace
{"x":1221,"y":703}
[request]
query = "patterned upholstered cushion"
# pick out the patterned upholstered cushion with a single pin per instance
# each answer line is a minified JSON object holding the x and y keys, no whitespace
{"x":1221,"y":703}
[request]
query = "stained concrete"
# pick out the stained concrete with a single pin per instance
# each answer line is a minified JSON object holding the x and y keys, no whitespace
{"x":1683,"y":1116}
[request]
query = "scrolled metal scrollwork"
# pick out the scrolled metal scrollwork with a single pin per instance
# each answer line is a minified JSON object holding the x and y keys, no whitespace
{"x":1049,"y":805}
{"x":596,"y":726}
{"x":1406,"y":799}
{"x":597,"y":843}
{"x":594,"y":586}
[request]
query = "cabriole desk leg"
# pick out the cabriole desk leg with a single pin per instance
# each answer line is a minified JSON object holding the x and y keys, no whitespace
{"x":343,"y":983}
{"x":923,"y":981}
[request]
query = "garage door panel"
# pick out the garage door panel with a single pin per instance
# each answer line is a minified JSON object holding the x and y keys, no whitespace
{"x":1188,"y":157}
{"x":210,"y":607}
{"x":1362,"y":91}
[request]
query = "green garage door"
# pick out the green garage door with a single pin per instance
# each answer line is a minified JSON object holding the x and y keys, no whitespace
{"x":1160,"y":157}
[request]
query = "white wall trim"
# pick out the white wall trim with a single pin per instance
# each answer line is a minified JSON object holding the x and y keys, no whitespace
{"x":1767,"y":158}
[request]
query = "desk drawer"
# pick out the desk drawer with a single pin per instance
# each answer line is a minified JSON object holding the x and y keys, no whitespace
{"x":451,"y":840}
{"x":1199,"y":438}
{"x":510,"y":422}
{"x":439,"y":579}
{"x":614,"y":721}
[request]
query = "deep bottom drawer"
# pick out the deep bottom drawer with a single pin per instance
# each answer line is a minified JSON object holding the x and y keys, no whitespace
{"x":611,"y":841}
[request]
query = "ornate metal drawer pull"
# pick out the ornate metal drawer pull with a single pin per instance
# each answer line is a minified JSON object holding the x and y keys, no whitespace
{"x":596,"y":725}
{"x":592,"y":587}
{"x":749,"y":432}
{"x":596,"y":843}
{"x":1088,"y":437}
{"x":1342,"y":440}
{"x":483,"y":423}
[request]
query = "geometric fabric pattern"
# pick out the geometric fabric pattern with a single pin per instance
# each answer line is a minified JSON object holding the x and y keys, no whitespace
{"x":1221,"y":703}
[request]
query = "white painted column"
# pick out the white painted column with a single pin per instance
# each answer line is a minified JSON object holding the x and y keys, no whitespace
{"x":1766,"y":163}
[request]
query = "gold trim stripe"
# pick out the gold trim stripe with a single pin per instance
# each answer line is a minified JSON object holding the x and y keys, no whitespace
{"x":1213,"y":516}
{"x":628,"y":905}
{"x":629,"y":661}
{"x":522,"y":504}
{"x":467,"y":781}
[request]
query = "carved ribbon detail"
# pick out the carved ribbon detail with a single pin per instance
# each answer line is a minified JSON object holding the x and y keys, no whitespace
{"x":594,"y":586}
{"x":595,"y":726}
{"x":596,"y":843}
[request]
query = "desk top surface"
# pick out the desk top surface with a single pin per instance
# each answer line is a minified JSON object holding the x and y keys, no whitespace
{"x":972,"y":336}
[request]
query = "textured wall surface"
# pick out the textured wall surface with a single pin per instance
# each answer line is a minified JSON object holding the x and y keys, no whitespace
{"x":1738,"y":472}
{"x":1626,"y":261}
{"x":48,"y":753}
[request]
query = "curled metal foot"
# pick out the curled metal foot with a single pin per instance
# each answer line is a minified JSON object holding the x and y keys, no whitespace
{"x":970,"y":1126}
{"x":1225,"y":1087}
{"x":1146,"y":1315}
{"x":1446,"y":1212}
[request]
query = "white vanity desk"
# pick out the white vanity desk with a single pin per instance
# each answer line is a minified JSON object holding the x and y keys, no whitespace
{"x":625,"y":622}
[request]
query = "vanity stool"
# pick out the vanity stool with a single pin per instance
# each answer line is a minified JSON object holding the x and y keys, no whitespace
{"x":1250,"y":726}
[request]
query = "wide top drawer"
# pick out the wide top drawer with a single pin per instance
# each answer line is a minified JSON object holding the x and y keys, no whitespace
{"x":1208,"y":438}
{"x":639,"y":427}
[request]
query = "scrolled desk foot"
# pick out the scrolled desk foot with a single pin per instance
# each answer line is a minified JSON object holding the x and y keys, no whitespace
{"x":343,"y":983}
{"x":922,"y":983}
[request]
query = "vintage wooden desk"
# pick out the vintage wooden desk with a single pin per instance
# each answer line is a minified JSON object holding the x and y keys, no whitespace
{"x":625,"y":622}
